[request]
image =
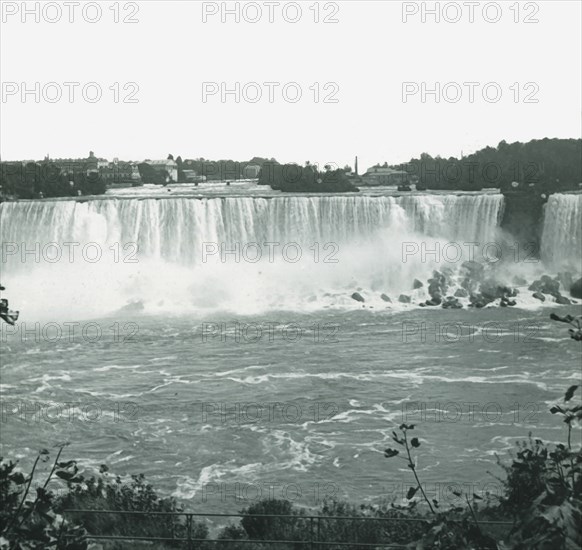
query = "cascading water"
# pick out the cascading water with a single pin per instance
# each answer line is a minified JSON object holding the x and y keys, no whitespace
{"x":153,"y":250}
{"x":562,"y":232}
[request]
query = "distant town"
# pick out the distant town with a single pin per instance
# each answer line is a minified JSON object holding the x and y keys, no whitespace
{"x":547,"y":166}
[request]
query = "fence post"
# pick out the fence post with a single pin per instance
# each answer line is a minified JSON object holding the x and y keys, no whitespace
{"x":311,"y":532}
{"x":189,"y":528}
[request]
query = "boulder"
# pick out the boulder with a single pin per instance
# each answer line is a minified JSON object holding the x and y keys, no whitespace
{"x":447,"y":272}
{"x":358,"y":297}
{"x":576,"y":289}
{"x":452,"y":303}
{"x":551,"y":287}
{"x":476,"y":300}
{"x":539,"y":296}
{"x":490,"y":290}
{"x":565,"y":278}
{"x":461,"y":293}
{"x":562,"y":300}
{"x":535,"y":286}
{"x":403,"y":298}
{"x":417,"y":284}
{"x":132,"y":307}
{"x":473,"y":266}
{"x":434,"y":287}
{"x":386,"y":298}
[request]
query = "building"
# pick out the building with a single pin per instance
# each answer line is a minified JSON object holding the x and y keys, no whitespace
{"x":169,"y":166}
{"x":117,"y":174}
{"x":87,"y":166}
{"x":382,"y":175}
{"x":191,"y":176}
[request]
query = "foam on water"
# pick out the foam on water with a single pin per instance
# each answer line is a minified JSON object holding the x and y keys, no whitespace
{"x":346,"y":243}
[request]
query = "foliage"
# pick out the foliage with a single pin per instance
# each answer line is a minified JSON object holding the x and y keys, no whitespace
{"x":326,"y":528}
{"x":30,"y":521}
{"x":111,"y":492}
{"x":451,"y":529}
{"x":549,"y":165}
{"x":48,"y":180}
{"x":292,"y":178}
{"x":149,"y":174}
{"x":543,"y":489}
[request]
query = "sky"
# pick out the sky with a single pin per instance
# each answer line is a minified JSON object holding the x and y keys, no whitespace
{"x":319,"y":81}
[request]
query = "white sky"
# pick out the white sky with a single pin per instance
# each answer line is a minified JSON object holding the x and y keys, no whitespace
{"x":170,"y":52}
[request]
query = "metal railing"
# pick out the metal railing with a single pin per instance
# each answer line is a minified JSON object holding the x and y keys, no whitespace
{"x":313,"y":542}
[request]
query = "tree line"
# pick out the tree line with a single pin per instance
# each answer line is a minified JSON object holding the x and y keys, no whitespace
{"x":548,"y":165}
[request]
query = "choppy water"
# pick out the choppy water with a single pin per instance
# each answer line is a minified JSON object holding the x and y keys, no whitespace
{"x":220,"y":423}
{"x":246,"y":406}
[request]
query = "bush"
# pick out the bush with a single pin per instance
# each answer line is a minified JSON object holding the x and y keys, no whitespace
{"x":30,"y":521}
{"x":292,"y":178}
{"x":110,"y":492}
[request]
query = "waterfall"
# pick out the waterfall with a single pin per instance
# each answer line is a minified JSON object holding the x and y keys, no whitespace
{"x":175,"y":229}
{"x":561,"y":243}
{"x":153,"y":250}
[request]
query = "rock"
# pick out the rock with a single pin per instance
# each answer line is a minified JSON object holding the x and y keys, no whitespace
{"x":417,"y":284}
{"x":437,"y":284}
{"x":422,"y":304}
{"x":432,"y":303}
{"x":475,"y":269}
{"x":546,"y":285}
{"x":576,"y":289}
{"x":511,"y":303}
{"x":386,"y":298}
{"x":519,"y":281}
{"x":358,"y":297}
{"x":447,"y":272}
{"x":503,"y":303}
{"x":565,"y":278}
{"x":403,"y":298}
{"x":562,"y":300}
{"x":434,"y":288}
{"x":461,"y":293}
{"x":132,"y":307}
{"x":476,"y":300}
{"x":452,"y":303}
{"x":491,"y":290}
{"x":472,"y":265}
{"x":551,"y":287}
{"x":539,"y":296}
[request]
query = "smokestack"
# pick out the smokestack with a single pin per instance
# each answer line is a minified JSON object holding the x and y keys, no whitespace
{"x":356,"y":166}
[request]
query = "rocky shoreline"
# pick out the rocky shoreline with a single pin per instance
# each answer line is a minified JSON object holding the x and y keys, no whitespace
{"x":477,"y":285}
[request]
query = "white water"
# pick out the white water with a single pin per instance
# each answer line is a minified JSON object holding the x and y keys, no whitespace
{"x":152,"y":251}
{"x":561,"y":244}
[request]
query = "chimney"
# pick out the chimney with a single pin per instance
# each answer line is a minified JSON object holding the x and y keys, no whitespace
{"x":356,"y":166}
